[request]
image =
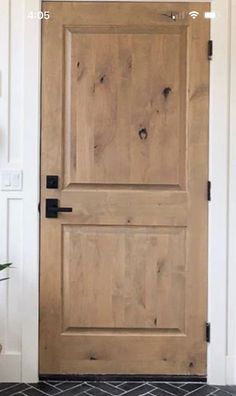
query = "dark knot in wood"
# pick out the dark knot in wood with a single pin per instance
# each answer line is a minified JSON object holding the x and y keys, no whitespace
{"x":143,"y":134}
{"x":102,"y":78}
{"x":166,"y":91}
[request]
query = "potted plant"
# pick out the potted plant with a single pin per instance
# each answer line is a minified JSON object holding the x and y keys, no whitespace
{"x":3,"y":267}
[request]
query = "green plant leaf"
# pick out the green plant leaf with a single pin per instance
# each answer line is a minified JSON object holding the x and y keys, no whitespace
{"x":4,"y":266}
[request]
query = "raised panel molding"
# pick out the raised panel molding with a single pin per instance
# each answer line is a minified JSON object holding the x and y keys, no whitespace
{"x":142,"y":273}
{"x":139,"y":119}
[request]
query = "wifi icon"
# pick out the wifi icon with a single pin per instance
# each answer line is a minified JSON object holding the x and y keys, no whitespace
{"x":194,"y":14}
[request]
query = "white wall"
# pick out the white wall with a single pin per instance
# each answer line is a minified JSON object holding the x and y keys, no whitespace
{"x":11,"y":203}
{"x":19,"y":149}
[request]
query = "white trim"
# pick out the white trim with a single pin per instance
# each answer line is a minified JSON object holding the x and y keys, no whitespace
{"x":19,"y":148}
{"x":231,"y":346}
{"x":11,"y":66}
{"x":218,"y":170}
{"x":10,"y":367}
{"x":219,"y":141}
{"x":32,"y":71}
{"x":5,"y":71}
{"x":4,"y":121}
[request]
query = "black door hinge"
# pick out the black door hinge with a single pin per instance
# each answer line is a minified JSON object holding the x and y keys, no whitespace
{"x":209,"y":191}
{"x":39,"y":207}
{"x":210,"y":50}
{"x":208,"y":332}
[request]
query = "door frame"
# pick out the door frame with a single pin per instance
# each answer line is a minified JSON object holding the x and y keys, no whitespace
{"x":220,"y":165}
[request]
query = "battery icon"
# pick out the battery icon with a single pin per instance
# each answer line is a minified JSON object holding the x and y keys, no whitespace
{"x":210,"y":15}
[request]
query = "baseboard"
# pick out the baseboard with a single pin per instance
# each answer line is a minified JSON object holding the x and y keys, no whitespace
{"x":10,"y":367}
{"x":231,"y":370}
{"x":121,"y":377}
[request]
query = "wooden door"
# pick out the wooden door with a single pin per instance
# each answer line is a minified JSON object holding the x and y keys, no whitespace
{"x":125,"y":128}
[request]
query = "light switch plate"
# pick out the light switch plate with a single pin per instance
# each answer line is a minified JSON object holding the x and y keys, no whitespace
{"x":11,"y":180}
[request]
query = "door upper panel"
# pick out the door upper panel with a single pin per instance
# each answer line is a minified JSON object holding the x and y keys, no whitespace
{"x":124,"y":108}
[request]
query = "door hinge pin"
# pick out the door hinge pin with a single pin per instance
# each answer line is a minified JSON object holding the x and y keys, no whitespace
{"x":210,"y":50}
{"x":208,"y":332}
{"x":209,"y":191}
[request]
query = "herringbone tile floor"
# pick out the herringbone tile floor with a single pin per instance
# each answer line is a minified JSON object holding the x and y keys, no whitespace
{"x":114,"y":388}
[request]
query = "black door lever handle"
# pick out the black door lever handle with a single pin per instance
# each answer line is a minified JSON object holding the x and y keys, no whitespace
{"x":52,"y":208}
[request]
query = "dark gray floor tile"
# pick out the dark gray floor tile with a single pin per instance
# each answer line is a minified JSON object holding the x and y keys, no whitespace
{"x":6,"y":385}
{"x":18,"y":393}
{"x":14,"y":389}
{"x":221,"y":392}
{"x":170,"y":388}
{"x":116,"y":383}
{"x":228,"y":388}
{"x":130,"y":385}
{"x":141,"y":390}
{"x":33,"y":392}
{"x":114,"y":388}
{"x":53,"y":382}
{"x":46,"y":388}
{"x":160,"y":392}
{"x":192,"y":386}
{"x":80,"y":394}
{"x":68,"y":384}
{"x":77,"y":390}
{"x":203,"y":391}
{"x":107,"y":387}
{"x":96,"y":392}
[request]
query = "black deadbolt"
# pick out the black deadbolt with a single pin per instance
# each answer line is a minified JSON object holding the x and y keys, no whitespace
{"x":52,"y":182}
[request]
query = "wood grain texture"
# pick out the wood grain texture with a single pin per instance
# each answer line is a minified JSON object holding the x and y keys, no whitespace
{"x":137,"y":270}
{"x":121,"y":127}
{"x":125,"y":127}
